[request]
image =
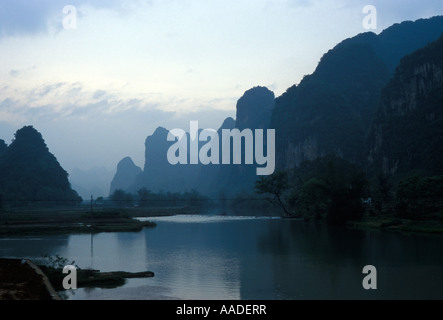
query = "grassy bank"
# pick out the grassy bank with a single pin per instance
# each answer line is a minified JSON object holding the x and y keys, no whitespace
{"x":391,"y":223}
{"x":75,"y":220}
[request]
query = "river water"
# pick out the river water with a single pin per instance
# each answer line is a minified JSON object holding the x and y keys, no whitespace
{"x":248,"y":258}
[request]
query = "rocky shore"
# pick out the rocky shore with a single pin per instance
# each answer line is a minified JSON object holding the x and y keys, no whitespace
{"x":23,"y":280}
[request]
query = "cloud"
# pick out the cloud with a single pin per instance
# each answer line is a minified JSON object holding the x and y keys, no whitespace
{"x":98,"y":94}
{"x":7,"y":131}
{"x":88,"y":135}
{"x":62,"y":101}
{"x":97,"y":128}
{"x":47,"y":89}
{"x":19,"y":17}
{"x":24,"y":17}
{"x":14,"y":73}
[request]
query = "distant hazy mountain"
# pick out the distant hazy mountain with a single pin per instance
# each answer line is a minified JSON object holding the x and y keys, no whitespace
{"x":331,"y":111}
{"x":31,"y":175}
{"x":94,"y":181}
{"x":229,"y":124}
{"x":126,"y":174}
{"x":407,"y":134}
{"x":254,"y":111}
{"x":158,"y":174}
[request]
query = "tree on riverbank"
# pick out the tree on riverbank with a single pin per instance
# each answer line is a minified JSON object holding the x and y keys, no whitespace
{"x":145,"y":198}
{"x":121,"y":198}
{"x":328,"y":188}
{"x":419,"y":197}
{"x":276,"y":185}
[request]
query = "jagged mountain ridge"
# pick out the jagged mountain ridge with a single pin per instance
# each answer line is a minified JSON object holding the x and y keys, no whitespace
{"x":331,"y":111}
{"x":254,"y":109}
{"x":407,"y":134}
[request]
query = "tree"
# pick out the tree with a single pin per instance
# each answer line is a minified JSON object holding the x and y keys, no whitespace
{"x":275,"y":185}
{"x":312,"y":199}
{"x":99,"y":201}
{"x":418,"y":196}
{"x":3,"y":147}
{"x":382,"y":192}
{"x":330,"y":188}
{"x":143,"y":197}
{"x":122,"y":199}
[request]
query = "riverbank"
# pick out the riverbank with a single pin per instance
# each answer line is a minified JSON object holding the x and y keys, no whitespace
{"x":22,"y":280}
{"x":87,"y":278}
{"x":394,"y":224}
{"x":52,"y":221}
{"x":26,"y":222}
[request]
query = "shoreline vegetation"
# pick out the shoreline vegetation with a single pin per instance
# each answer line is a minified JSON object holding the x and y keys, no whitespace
{"x":56,"y":221}
{"x":53,"y":221}
{"x":394,"y":224}
{"x":336,"y":192}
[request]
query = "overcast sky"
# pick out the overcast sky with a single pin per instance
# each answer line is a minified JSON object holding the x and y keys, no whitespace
{"x":98,"y":89}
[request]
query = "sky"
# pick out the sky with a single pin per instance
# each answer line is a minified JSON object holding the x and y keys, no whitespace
{"x":97,"y":80}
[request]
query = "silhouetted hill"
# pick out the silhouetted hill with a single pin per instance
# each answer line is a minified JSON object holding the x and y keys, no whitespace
{"x":254,"y":111}
{"x":158,"y":174}
{"x":3,"y":147}
{"x":407,"y":134}
{"x":229,"y":124}
{"x":31,"y":175}
{"x":156,"y":149}
{"x":125,"y":176}
{"x":331,"y":111}
{"x":406,"y":37}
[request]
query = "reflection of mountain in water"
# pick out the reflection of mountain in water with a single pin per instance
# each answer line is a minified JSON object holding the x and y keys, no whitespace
{"x":320,"y":262}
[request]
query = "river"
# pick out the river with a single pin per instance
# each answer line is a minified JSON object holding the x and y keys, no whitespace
{"x":248,"y":258}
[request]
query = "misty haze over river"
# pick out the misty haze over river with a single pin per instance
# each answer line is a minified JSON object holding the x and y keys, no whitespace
{"x":223,"y":257}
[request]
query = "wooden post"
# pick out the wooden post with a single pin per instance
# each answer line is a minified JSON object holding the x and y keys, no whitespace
{"x":92,"y":208}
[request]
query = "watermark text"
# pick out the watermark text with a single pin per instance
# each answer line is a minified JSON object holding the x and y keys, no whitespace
{"x":237,"y":147}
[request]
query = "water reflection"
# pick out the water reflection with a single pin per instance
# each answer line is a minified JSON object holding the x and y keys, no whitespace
{"x":194,"y":258}
{"x":32,"y":247}
{"x":320,"y":262}
{"x":201,"y":257}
